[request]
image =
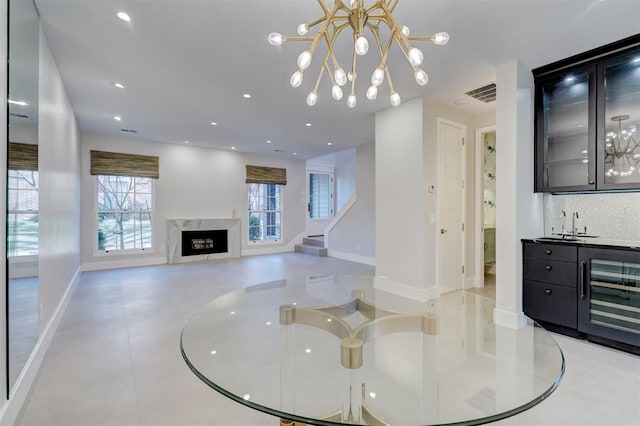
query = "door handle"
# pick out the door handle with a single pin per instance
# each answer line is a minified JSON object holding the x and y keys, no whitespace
{"x":443,"y":231}
{"x":548,"y":292}
{"x":548,"y":268}
{"x":581,"y":279}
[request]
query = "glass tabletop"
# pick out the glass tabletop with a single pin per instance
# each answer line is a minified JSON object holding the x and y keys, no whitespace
{"x":329,"y":350}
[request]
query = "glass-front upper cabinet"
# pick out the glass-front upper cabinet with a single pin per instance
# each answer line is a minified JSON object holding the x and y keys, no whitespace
{"x":587,"y":120}
{"x":619,"y":123}
{"x":565,"y":134}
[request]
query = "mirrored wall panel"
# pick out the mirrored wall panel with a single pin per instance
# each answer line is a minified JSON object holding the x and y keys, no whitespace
{"x":22,"y":186}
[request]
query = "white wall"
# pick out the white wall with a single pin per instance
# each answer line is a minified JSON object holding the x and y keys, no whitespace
{"x":345,"y":176}
{"x":519,"y":212}
{"x":399,"y":195}
{"x":59,"y":180}
{"x":194,"y":183}
{"x":354,"y":236}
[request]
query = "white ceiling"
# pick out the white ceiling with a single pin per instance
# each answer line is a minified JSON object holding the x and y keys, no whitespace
{"x":186,"y":63}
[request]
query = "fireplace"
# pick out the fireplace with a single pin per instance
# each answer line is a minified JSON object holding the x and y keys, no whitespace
{"x":204,"y":242}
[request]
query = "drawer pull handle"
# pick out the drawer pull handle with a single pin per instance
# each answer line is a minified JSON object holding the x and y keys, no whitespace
{"x":548,"y":292}
{"x":548,"y":267}
{"x":548,"y":252}
{"x":581,"y":280}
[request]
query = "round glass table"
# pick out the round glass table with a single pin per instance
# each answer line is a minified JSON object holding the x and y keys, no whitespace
{"x":327,"y":350}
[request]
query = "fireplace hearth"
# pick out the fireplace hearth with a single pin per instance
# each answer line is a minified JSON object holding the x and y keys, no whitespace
{"x":200,"y":242}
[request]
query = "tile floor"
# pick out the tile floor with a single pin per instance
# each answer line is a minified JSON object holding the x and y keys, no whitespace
{"x":115,"y":359}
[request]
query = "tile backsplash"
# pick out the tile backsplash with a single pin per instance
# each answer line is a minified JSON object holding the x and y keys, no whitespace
{"x":611,"y":216}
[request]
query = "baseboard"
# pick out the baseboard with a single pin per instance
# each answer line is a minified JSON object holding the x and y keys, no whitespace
{"x":25,"y":380}
{"x":470,"y":283}
{"x":509,"y":319}
{"x":123,"y":263}
{"x":403,"y":290}
{"x":352,"y":257}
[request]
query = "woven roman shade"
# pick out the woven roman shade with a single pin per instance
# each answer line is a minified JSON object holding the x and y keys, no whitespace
{"x":23,"y":156}
{"x":119,"y":164}
{"x":258,"y":174}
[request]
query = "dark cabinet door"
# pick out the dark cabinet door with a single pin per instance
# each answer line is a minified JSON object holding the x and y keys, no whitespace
{"x":609,"y":294}
{"x":619,"y":123}
{"x":565,"y":131}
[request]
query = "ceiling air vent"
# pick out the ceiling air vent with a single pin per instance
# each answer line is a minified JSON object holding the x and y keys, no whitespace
{"x":129,"y":130}
{"x":278,"y":150}
{"x":13,"y":114}
{"x":485,"y":93}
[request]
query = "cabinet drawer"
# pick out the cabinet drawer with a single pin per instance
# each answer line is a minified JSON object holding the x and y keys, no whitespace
{"x":551,"y":303}
{"x":566,"y":253}
{"x":550,"y":271}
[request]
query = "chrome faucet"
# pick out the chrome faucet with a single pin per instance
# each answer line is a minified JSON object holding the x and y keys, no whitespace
{"x":563,"y":216}
{"x":574,"y":229}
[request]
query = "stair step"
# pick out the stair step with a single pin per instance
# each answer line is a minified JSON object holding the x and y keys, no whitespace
{"x":309,"y":249}
{"x":313,"y":241}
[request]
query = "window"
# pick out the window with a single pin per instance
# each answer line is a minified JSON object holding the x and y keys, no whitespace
{"x":125,"y":207}
{"x":320,"y":195}
{"x":22,"y":220}
{"x":265,"y":212}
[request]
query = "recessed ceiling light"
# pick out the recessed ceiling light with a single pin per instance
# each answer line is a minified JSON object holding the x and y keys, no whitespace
{"x":246,"y":96}
{"x":308,"y":124}
{"x":461,"y":101}
{"x":117,"y":118}
{"x":233,"y":147}
{"x":268,"y":141}
{"x":119,"y":85}
{"x":213,"y":123}
{"x":186,"y":141}
{"x":21,"y":103}
{"x":124,"y":16}
{"x":329,"y":143}
{"x":295,"y":153}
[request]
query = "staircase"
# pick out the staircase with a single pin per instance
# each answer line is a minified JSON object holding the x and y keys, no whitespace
{"x":312,"y":245}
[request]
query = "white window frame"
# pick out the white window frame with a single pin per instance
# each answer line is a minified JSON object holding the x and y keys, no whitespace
{"x":129,"y":251}
{"x":18,"y":212}
{"x":281,"y":211}
{"x":332,"y":202}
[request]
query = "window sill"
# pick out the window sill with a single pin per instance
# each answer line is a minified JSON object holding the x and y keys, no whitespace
{"x":265,"y":243}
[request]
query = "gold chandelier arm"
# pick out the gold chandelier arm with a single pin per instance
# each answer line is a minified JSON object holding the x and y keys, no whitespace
{"x":354,"y":61}
{"x":324,"y":7}
{"x":391,"y":5}
{"x":386,"y":71}
{"x":325,"y":25}
{"x":336,"y":31}
{"x":315,"y":88}
{"x":422,"y":38}
{"x":298,"y":38}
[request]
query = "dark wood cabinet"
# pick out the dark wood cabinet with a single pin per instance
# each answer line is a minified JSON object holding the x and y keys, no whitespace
{"x":550,"y":283}
{"x":584,"y":290}
{"x":587,"y":121}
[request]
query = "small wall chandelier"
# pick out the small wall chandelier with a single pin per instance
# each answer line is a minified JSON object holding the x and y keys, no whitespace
{"x":622,"y":151}
{"x":355,"y":15}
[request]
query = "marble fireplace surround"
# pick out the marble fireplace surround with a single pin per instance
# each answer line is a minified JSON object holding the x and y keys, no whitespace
{"x":174,"y":232}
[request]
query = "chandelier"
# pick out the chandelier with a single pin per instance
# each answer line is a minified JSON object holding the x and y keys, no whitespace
{"x":355,"y":15}
{"x":622,"y":153}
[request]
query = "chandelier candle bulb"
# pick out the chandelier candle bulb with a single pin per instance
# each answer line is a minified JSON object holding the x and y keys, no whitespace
{"x":276,"y":39}
{"x":378,"y":76}
{"x":372,"y":93}
{"x":340,"y":77}
{"x":395,"y":99}
{"x":304,"y":60}
{"x":422,"y":77}
{"x":296,"y":79}
{"x":406,"y":31}
{"x":362,"y":45}
{"x":312,"y":98}
{"x":303,"y":29}
{"x":415,"y":56}
{"x":441,"y":38}
{"x":336,"y":92}
{"x":351,"y":101}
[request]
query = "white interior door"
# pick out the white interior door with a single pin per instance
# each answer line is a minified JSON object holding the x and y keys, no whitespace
{"x":451,"y":175}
